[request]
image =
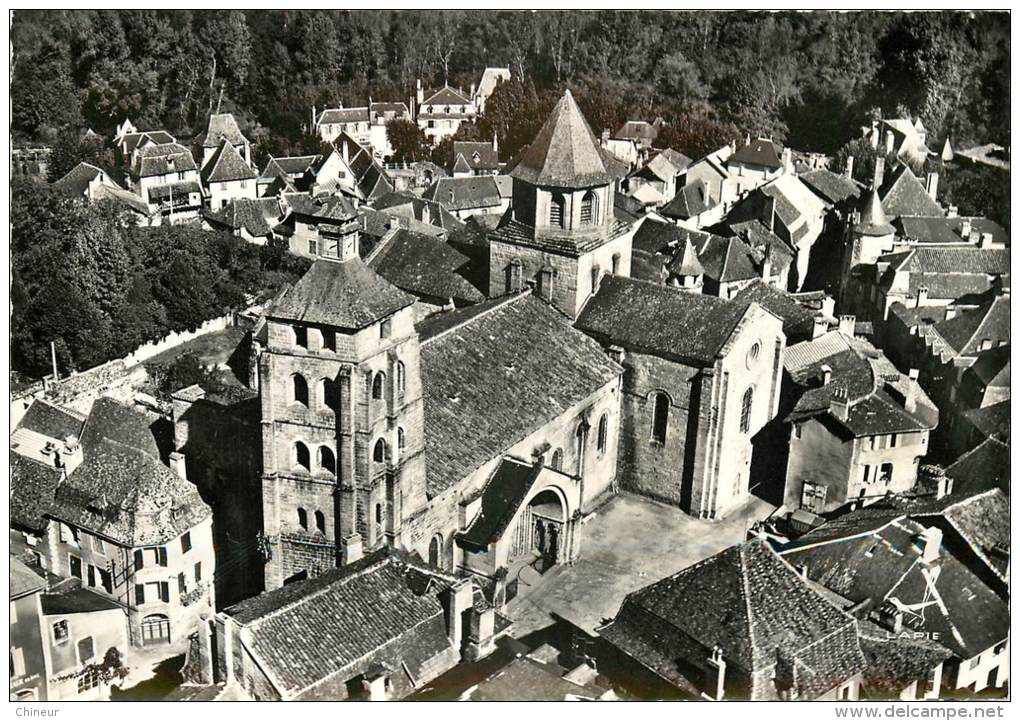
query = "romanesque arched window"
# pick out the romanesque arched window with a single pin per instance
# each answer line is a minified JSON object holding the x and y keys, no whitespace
{"x":327,"y":461}
{"x":660,"y":418}
{"x":589,"y":208}
{"x":379,"y":451}
{"x":556,"y":207}
{"x":745,"y":410}
{"x":557,"y":459}
{"x":299,"y":389}
{"x":329,"y":394}
{"x":301,"y":456}
{"x":401,"y":377}
{"x":401,"y":438}
{"x":302,"y":518}
{"x":320,"y":522}
{"x":603,"y":433}
{"x":377,"y":385}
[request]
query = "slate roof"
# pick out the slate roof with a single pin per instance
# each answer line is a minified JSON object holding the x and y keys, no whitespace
{"x":528,"y":679}
{"x":637,"y":130}
{"x":874,"y":386}
{"x":163,"y":192}
{"x":515,"y":232}
{"x":77,"y":600}
{"x":76,"y":181}
{"x":33,"y":485}
{"x":725,"y":259}
{"x":497,"y":371}
{"x":754,"y":606}
{"x":347,"y":295}
{"x":382,"y":606}
{"x":411,"y":206}
{"x":24,"y":580}
{"x":565,"y":153}
{"x":226,"y":164}
{"x":947,"y":272}
{"x":445,"y":96}
{"x":928,"y":230}
{"x":465,"y":193}
{"x":222,"y":126}
{"x":965,"y":332}
{"x":794,"y":202}
{"x":874,"y":221}
{"x":884,"y":564}
{"x":661,"y":320}
{"x":156,"y":160}
{"x":502,"y":495}
{"x":665,"y":166}
{"x":112,"y":420}
{"x":983,"y":521}
{"x":252,"y":215}
{"x":986,"y":466}
{"x":831,"y":187}
{"x":133,"y":140}
{"x":51,"y":421}
{"x":287,"y":166}
{"x":798,"y":321}
{"x":686,"y":262}
{"x":690,"y":200}
{"x":762,"y":152}
{"x":981,"y":226}
{"x":424,"y":265}
{"x":487,"y":157}
{"x":903,"y":194}
{"x":343,"y":115}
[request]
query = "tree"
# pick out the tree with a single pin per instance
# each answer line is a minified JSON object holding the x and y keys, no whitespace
{"x":72,"y":149}
{"x":408,"y":141}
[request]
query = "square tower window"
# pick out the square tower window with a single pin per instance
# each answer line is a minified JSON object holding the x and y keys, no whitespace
{"x":301,"y":336}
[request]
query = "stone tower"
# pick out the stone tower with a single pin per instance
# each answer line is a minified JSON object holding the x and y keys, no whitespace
{"x":342,"y":418}
{"x":561,"y":234}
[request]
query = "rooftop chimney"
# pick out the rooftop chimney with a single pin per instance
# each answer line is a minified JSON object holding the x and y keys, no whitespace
{"x":847,"y":325}
{"x":929,"y":542}
{"x":839,"y":405}
{"x":826,"y":374}
{"x":943,"y":485}
{"x":876,"y":182}
{"x":932,"y":185}
{"x":766,"y":264}
{"x":848,"y":171}
{"x":351,"y":548}
{"x":965,"y":228}
{"x":459,"y":598}
{"x":910,"y":399}
{"x":952,"y":212}
{"x":922,"y":296}
{"x":890,"y":141}
{"x":986,"y":240}
{"x":715,"y":679}
{"x":178,"y":466}
{"x":605,"y":137}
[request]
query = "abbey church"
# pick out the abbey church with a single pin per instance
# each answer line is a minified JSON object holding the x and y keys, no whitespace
{"x":480,"y":436}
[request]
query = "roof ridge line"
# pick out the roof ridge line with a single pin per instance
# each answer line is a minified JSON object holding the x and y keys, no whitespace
{"x":745,"y":587}
{"x":504,"y":301}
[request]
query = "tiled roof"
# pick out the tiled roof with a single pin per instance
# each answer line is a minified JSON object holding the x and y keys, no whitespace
{"x":24,"y":580}
{"x":226,"y":164}
{"x":884,"y":564}
{"x":660,"y":319}
{"x":382,"y":606}
{"x":798,"y":321}
{"x":690,"y":200}
{"x":158,"y":137}
{"x":122,"y":197}
{"x":565,"y":153}
{"x":981,"y":226}
{"x":52,"y":421}
{"x":831,"y":187}
{"x":343,"y":115}
{"x":163,"y":192}
{"x":287,"y":166}
{"x":253,"y":215}
{"x":32,"y":487}
{"x":903,"y":194}
{"x":77,"y":179}
{"x":894,"y":663}
{"x":515,"y":232}
{"x":752,"y":605}
{"x":947,"y":272}
{"x":346,"y":295}
{"x":986,"y":466}
{"x":222,"y":126}
{"x":163,"y":159}
{"x":528,"y":679}
{"x":761,"y":152}
{"x":502,"y":495}
{"x":965,"y":332}
{"x":725,"y":259}
{"x":76,"y":600}
{"x":928,"y":230}
{"x":664,"y":166}
{"x":498,"y":371}
{"x":464,"y":193}
{"x":636,"y":130}
{"x":425,"y":266}
{"x":685,"y":262}
{"x":794,"y":202}
{"x":486,"y":159}
{"x":983,"y":521}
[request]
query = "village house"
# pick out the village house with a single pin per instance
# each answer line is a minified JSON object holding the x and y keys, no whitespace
{"x":223,"y":127}
{"x":365,"y":124}
{"x":755,"y":163}
{"x":227,"y":176}
{"x":349,"y":168}
{"x":422,"y":215}
{"x":656,"y":182}
{"x":92,"y":184}
{"x":119,"y":521}
{"x":899,"y":137}
{"x":467,"y":195}
{"x":702,"y":378}
{"x":293,"y":171}
{"x":474,"y":158}
{"x":271,"y":646}
{"x":740,"y":625}
{"x":713,"y":172}
{"x":441,"y":111}
{"x":891,"y":565}
{"x":248,"y":218}
{"x":536,"y":676}
{"x":29,"y":673}
{"x":128,"y":141}
{"x":561,"y":233}
{"x":858,"y":427}
{"x":689,"y":206}
{"x":319,"y":225}
{"x":166,"y":177}
{"x":491,"y":77}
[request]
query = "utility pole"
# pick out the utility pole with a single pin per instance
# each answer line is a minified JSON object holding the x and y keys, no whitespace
{"x":53,"y":357}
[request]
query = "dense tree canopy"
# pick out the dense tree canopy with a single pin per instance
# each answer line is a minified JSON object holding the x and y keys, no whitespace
{"x":806,"y":77}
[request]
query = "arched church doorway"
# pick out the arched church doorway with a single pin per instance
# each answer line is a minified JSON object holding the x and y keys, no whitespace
{"x":540,"y":532}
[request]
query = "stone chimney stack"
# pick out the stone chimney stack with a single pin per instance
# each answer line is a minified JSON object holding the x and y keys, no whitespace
{"x":847,"y":325}
{"x":459,"y":598}
{"x":766,"y":263}
{"x":952,"y":212}
{"x":419,"y":93}
{"x":315,"y":116}
{"x":890,"y":141}
{"x":350,"y":549}
{"x":986,"y":240}
{"x":848,"y":171}
{"x":930,"y":543}
{"x":965,"y":228}
{"x":922,"y":296}
{"x":932,"y":185}
{"x":178,"y":466}
{"x":787,"y":160}
{"x":839,"y":406}
{"x":910,"y":397}
{"x":605,"y":137}
{"x":876,"y":182}
{"x":472,"y":95}
{"x":826,"y":374}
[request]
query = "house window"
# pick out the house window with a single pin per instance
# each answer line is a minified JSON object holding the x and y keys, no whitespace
{"x":557,"y":459}
{"x":745,"y":410}
{"x":556,"y":203}
{"x":974,"y":662}
{"x":198,"y":571}
{"x":885,"y":473}
{"x":603,"y":433}
{"x":60,"y":632}
{"x":182,"y":583}
{"x":812,"y":497}
{"x":17,"y":661}
{"x":379,"y":452}
{"x":299,"y":389}
{"x":313,"y":246}
{"x":400,"y":438}
{"x":892,"y":440}
{"x":74,"y":563}
{"x":186,"y":542}
{"x":377,"y":385}
{"x":616,"y":263}
{"x":589,"y":208}
{"x":68,"y":535}
{"x":798,"y":430}
{"x":320,"y":522}
{"x":384,"y":329}
{"x":302,"y":519}
{"x":660,"y":418}
{"x":98,"y":546}
{"x":327,"y":461}
{"x":302,"y":457}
